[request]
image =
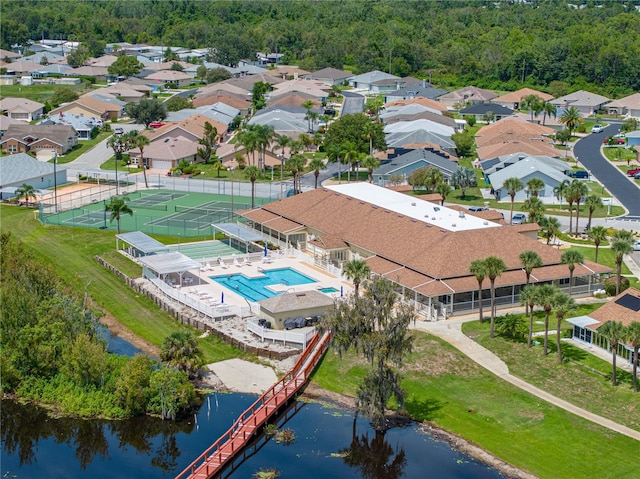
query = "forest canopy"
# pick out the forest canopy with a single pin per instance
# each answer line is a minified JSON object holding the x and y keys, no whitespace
{"x":497,"y":45}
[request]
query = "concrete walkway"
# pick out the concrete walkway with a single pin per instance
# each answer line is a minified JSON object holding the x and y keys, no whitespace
{"x":451,"y":331}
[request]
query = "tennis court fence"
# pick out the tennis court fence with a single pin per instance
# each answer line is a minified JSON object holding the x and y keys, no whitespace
{"x":56,"y":203}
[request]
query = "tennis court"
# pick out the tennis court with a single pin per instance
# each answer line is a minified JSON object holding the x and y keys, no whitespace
{"x":170,"y":213}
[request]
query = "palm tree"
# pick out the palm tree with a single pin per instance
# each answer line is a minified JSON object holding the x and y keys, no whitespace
{"x":597,"y":234}
{"x":529,"y":297}
{"x":282,"y":141}
{"x":316,"y":165}
{"x":375,"y":105}
{"x":25,"y":192}
{"x":571,"y":118}
{"x":218,"y":166}
{"x":140,"y":141}
{"x":578,"y":190}
{"x":295,"y":165}
{"x":632,"y":336}
{"x":544,"y":299}
{"x":495,"y":266}
{"x":370,"y":130}
{"x":356,"y":271}
{"x":614,"y":332}
{"x":118,"y":206}
{"x":248,"y":138}
{"x":548,"y":109}
{"x":529,"y":259}
{"x":533,"y":103}
{"x":562,"y":305}
{"x":621,"y":244}
{"x":512,"y":185}
{"x":252,"y":173}
{"x":535,"y":185}
{"x":571,"y":257}
{"x":463,"y":178}
{"x":350,"y":155}
{"x":443,"y":189}
{"x":560,"y":191}
{"x":478,"y":269}
{"x":592,"y":202}
{"x":308,"y":105}
{"x":266,"y":134}
{"x":534,"y":208}
{"x":306,"y":141}
{"x":550,"y":227}
{"x":370,"y":163}
{"x":180,"y":350}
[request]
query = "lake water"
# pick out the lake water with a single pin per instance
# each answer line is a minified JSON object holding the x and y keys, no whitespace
{"x":34,"y":445}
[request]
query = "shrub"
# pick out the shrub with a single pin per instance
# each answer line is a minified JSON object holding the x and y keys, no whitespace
{"x":610,"y":285}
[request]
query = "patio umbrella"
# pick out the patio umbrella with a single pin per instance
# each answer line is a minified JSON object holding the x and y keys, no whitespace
{"x":341,"y":291}
{"x":222,"y":297}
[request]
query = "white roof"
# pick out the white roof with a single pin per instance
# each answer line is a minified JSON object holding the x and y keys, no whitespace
{"x":429,"y":213}
{"x":581,"y":321}
{"x":169,"y":263}
{"x":428,"y":125}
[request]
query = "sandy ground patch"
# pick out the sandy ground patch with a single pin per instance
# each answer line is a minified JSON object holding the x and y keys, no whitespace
{"x":243,"y":376}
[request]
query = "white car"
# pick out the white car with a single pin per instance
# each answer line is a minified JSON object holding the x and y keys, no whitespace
{"x":597,"y":129}
{"x":636,"y":246}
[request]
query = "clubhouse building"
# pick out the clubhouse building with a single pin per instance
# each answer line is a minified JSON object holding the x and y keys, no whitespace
{"x":425,"y":249}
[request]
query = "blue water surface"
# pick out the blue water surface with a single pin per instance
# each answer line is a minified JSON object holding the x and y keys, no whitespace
{"x":257,"y":288}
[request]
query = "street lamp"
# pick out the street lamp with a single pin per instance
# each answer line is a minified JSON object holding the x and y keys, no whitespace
{"x":55,"y":182}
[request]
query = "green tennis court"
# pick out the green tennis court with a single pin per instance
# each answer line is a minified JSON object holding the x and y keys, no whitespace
{"x":160,"y":212}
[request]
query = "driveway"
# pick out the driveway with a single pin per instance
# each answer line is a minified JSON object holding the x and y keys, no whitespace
{"x":353,"y":103}
{"x":587,"y":151}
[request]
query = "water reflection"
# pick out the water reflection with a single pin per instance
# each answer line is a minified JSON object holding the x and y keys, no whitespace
{"x":374,"y":459}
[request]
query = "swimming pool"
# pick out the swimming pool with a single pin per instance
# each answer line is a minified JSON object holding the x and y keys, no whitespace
{"x":257,"y":288}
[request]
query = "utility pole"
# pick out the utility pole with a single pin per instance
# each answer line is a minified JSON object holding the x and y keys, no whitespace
{"x":55,"y":182}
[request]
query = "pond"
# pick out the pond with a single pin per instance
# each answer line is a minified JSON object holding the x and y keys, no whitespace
{"x":328,"y":443}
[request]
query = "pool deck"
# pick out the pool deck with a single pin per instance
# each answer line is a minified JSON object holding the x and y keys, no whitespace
{"x":199,"y":284}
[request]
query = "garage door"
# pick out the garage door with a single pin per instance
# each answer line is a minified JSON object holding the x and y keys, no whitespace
{"x":162,"y":164}
{"x":45,"y":154}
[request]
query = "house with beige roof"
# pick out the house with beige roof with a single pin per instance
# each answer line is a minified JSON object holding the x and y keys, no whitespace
{"x":586,"y":102}
{"x":513,"y":135}
{"x":43,"y":140}
{"x":624,"y":308}
{"x":164,"y":154}
{"x":191,"y":128}
{"x":514,"y":99}
{"x":21,"y":109}
{"x":175,"y":77}
{"x":425,"y":249}
{"x":466,"y":96}
{"x":94,"y":105}
{"x":629,"y":106}
{"x":428,"y":103}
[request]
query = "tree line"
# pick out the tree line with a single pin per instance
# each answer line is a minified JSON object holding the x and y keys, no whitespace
{"x":52,"y":350}
{"x":499,"y":45}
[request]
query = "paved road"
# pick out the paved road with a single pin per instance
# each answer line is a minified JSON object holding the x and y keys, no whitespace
{"x":450,"y":331}
{"x":587,"y":150}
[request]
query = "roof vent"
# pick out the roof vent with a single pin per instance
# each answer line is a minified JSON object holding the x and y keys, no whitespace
{"x":413,"y":203}
{"x":436,"y":208}
{"x":453,"y":225}
{"x":485,"y":223}
{"x":433,"y":218}
{"x":461,"y":214}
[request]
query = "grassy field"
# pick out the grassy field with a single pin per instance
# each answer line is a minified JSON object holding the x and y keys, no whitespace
{"x":447,"y":388}
{"x":40,"y":93}
{"x":72,"y":253}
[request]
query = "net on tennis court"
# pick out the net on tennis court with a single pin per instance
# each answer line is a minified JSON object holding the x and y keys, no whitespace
{"x":148,"y":206}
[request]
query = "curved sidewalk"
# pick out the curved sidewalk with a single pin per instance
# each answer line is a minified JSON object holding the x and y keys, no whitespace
{"x":451,"y":332}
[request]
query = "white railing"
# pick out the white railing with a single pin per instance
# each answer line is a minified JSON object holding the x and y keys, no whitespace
{"x":213,"y":311}
{"x":283,"y":336}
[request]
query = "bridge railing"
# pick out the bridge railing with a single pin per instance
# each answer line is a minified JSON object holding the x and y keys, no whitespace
{"x":249,"y":417}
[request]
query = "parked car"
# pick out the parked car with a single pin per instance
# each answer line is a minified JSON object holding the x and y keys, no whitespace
{"x":636,"y":246}
{"x":578,"y":174}
{"x":597,"y":129}
{"x":118,"y":130}
{"x":156,"y":124}
{"x":610,"y":140}
{"x":633,"y":172}
{"x":519,"y":218}
{"x":478,"y":208}
{"x":636,"y":176}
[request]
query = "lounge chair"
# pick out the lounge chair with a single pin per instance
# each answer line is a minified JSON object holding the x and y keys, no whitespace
{"x":246,"y":262}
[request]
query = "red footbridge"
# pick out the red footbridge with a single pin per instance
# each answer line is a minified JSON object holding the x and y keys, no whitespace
{"x":231,"y":443}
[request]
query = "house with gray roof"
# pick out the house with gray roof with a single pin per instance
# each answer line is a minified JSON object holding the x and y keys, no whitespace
{"x":366,"y":80}
{"x":219,"y":112}
{"x":627,"y":106}
{"x":330,"y":76}
{"x":282,"y":120}
{"x":480,"y":110}
{"x":406,"y":163}
{"x":281,"y":307}
{"x":422,"y":124}
{"x":83,"y":125}
{"x":19,"y":169}
{"x":21,"y":109}
{"x":400,"y":139}
{"x":586,"y":102}
{"x":550,"y":172}
{"x":424,"y":90}
{"x":466,"y":96}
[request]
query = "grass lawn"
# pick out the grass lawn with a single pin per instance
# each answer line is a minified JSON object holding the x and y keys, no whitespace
{"x":40,"y":92}
{"x":583,"y":380}
{"x":605,"y":257}
{"x":618,"y":153}
{"x":445,"y":387}
{"x":72,"y":251}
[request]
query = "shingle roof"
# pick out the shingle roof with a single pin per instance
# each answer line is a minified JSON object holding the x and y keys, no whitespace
{"x":581,"y":98}
{"x":631,"y":102}
{"x":331,"y":74}
{"x":21,"y":168}
{"x":617,"y":309}
{"x":25,"y":104}
{"x":282,"y":303}
{"x":517,"y":96}
{"x":418,"y":156}
{"x":484,"y":108}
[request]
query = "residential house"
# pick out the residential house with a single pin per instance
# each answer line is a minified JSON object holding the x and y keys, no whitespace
{"x":404,"y":138}
{"x":295,"y":100}
{"x":629,"y":106}
{"x":246,"y":82}
{"x":288,"y":72}
{"x":412,"y":112}
{"x":125,"y":92}
{"x":19,"y":169}
{"x":424,"y":90}
{"x":366,"y":80}
{"x":633,"y":139}
{"x":624,"y":308}
{"x":525,"y":167}
{"x":174,"y":77}
{"x":424,"y":249}
{"x":43,"y":140}
{"x":428,"y":103}
{"x":310,"y":88}
{"x":100,"y":74}
{"x":93,"y":105}
{"x":5,"y":122}
{"x":166,"y":152}
{"x":512,"y":135}
{"x":330,"y":76}
{"x":586,"y":102}
{"x":421,"y":124}
{"x":219,"y":112}
{"x":290,"y":121}
{"x":20,"y":68}
{"x":191,"y":128}
{"x":8,"y":55}
{"x":267,"y":59}
{"x":514,"y":99}
{"x":463,"y":97}
{"x":44,"y":58}
{"x":21,"y":109}
{"x":83,"y":125}
{"x":406,"y":163}
{"x":483,"y":111}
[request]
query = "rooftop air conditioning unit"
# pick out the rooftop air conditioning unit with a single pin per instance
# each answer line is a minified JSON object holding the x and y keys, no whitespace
{"x":413,"y":203}
{"x":461,"y":214}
